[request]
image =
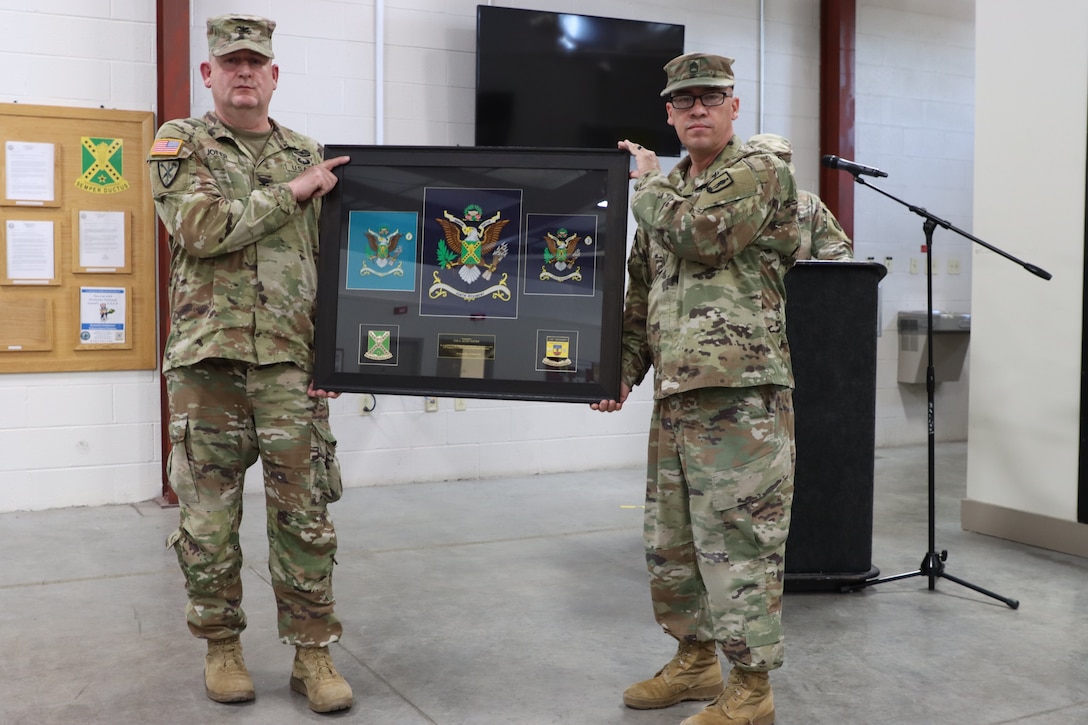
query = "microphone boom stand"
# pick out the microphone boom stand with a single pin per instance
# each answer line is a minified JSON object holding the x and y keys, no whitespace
{"x":932,"y":565}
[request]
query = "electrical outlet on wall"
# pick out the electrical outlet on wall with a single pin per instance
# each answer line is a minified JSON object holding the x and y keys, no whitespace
{"x":430,"y":404}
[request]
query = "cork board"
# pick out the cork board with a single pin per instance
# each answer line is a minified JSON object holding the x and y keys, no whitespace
{"x":77,"y":240}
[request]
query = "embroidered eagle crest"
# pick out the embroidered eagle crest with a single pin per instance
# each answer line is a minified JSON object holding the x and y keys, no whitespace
{"x":383,"y":245}
{"x":562,"y":248}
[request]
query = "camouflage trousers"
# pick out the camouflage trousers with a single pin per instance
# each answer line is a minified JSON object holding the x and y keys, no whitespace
{"x":718,"y":498}
{"x":225,"y":414}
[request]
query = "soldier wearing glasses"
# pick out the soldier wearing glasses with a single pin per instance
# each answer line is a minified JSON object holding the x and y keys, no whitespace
{"x":705,"y":308}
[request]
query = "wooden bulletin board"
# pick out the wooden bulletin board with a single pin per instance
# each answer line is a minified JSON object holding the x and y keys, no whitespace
{"x":77,"y":240}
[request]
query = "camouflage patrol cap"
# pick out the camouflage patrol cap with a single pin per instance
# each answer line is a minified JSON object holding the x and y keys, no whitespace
{"x":228,"y":33}
{"x":698,"y":69}
{"x":777,"y":145}
{"x":780,"y":146}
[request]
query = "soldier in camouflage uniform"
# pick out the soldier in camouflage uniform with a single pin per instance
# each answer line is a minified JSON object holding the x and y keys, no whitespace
{"x":822,"y":237}
{"x":705,"y":307}
{"x":240,"y":197}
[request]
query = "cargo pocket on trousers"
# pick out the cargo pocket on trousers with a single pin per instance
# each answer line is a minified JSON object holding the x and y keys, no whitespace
{"x":179,"y":469}
{"x":753,"y":506}
{"x":325,"y":482}
{"x":173,"y":539}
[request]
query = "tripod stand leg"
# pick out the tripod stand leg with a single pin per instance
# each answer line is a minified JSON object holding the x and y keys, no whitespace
{"x":881,"y":580}
{"x":1012,"y":603}
{"x":932,"y":565}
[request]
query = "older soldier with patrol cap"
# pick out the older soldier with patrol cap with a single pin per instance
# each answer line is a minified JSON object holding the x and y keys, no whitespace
{"x":705,"y":307}
{"x":240,"y":197}
{"x":822,"y":237}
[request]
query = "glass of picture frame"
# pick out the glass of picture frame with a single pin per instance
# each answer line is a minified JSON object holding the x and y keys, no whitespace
{"x":473,"y":272}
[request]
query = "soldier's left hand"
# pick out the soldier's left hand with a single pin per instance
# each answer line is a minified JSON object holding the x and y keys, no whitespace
{"x":611,"y":406}
{"x":320,"y":393}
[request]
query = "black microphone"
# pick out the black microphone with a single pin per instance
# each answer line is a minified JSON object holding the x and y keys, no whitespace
{"x":834,"y":162}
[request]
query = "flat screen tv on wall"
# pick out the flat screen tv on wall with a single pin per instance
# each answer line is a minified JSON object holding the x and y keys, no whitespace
{"x":548,"y":79}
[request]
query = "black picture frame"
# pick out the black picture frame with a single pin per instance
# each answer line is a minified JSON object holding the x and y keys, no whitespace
{"x":473,"y":272}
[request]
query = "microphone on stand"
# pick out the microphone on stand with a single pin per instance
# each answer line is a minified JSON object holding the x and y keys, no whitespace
{"x":834,"y":162}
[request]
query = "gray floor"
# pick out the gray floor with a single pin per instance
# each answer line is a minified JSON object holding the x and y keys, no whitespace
{"x":524,"y":601}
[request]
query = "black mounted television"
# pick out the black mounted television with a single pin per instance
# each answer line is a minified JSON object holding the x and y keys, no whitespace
{"x":560,"y":80}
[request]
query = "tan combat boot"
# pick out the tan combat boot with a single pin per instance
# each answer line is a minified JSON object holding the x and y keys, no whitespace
{"x":693,"y":674}
{"x":747,"y":700}
{"x":226,"y":678}
{"x":314,"y":676}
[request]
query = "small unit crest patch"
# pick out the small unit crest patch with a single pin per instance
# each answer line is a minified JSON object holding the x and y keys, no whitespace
{"x":168,"y":171}
{"x":377,"y":345}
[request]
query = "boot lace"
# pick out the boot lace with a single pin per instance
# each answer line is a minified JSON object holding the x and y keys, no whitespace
{"x":231,"y":655}
{"x":231,"y":660}
{"x":684,"y":658}
{"x":320,"y":662}
{"x":736,"y":693}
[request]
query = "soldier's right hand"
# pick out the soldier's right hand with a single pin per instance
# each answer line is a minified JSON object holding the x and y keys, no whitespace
{"x":645,"y":159}
{"x":316,"y":181}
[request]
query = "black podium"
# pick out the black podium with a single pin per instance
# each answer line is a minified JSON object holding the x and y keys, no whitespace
{"x":831,"y":323}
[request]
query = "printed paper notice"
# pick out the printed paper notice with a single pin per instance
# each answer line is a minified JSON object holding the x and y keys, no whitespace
{"x":101,"y":316}
{"x":28,"y":169}
{"x":29,"y":250}
{"x":102,"y":239}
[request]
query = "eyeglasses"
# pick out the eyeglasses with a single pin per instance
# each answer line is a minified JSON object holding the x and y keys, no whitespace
{"x":683,"y":101}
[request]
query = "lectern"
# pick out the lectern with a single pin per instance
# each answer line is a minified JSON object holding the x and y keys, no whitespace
{"x":832,"y":323}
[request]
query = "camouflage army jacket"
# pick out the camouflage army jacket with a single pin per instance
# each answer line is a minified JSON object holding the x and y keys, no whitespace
{"x":243,"y":252}
{"x":822,"y":237}
{"x":706,"y":295}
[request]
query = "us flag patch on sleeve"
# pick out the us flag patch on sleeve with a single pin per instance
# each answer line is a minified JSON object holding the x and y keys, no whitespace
{"x":166,"y":147}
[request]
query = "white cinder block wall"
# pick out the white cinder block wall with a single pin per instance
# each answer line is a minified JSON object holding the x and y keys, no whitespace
{"x":915,"y":120}
{"x":93,"y":438}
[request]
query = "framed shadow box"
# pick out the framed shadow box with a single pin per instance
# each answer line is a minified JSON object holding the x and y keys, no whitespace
{"x":473,"y":272}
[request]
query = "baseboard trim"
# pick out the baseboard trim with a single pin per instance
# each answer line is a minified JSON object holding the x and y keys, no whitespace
{"x":1046,"y":532}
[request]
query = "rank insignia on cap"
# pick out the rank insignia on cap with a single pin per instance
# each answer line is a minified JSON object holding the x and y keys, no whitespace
{"x":166,"y":147}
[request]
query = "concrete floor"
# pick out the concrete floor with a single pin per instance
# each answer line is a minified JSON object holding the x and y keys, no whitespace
{"x":524,"y":601}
